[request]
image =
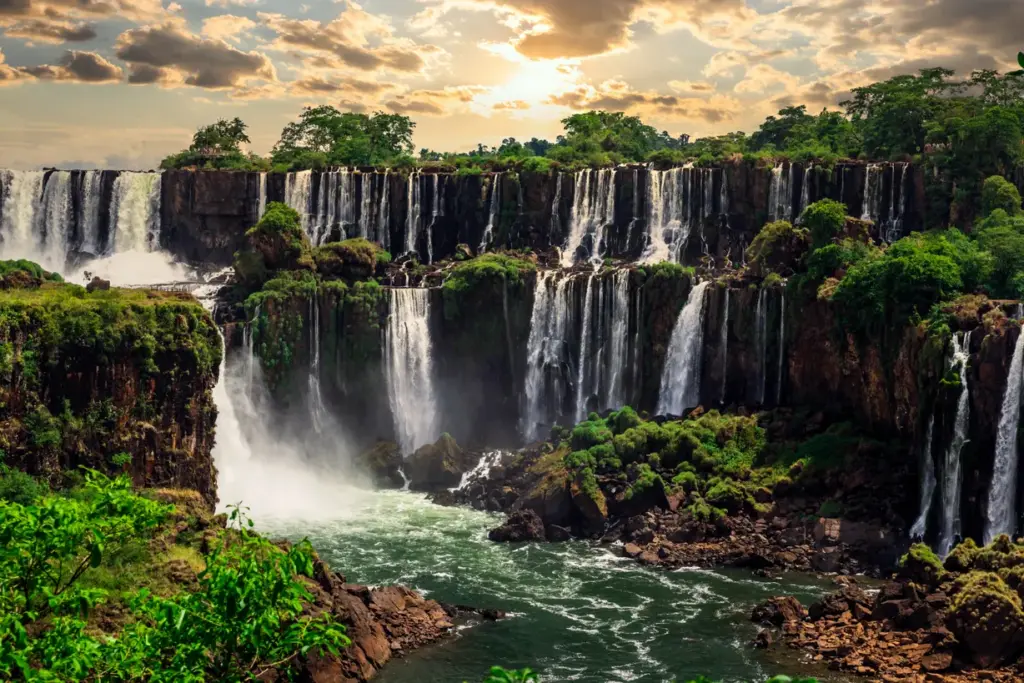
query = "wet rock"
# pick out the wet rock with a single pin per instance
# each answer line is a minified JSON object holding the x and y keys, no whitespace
{"x":382,"y":463}
{"x":632,"y":550}
{"x":590,"y":503}
{"x":97,"y":284}
{"x":778,"y":611}
{"x":438,"y":466}
{"x":558,"y":534}
{"x":521,"y":526}
{"x":986,"y":617}
{"x":763,"y":640}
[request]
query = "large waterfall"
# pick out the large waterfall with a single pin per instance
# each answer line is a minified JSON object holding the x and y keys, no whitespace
{"x":495,"y":207}
{"x":680,"y":382}
{"x":761,"y":330}
{"x":298,"y":194}
{"x":951,"y":471}
{"x":261,"y":201}
{"x":678,"y":201}
{"x":885,"y":210}
{"x":409,"y":368}
{"x":413,"y":218}
{"x":871,"y":203}
{"x":546,"y":353}
{"x":50,"y":216}
{"x":780,"y":202}
{"x":583,"y":376}
{"x":920,"y":528}
{"x":618,"y":355}
{"x":593,"y":210}
{"x":1001,"y":517}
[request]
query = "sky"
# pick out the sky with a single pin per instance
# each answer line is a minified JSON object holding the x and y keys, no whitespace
{"x":122,"y":83}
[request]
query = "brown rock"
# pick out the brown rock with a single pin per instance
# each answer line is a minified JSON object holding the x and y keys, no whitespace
{"x":778,"y":611}
{"x":938,"y":661}
{"x":632,"y":550}
{"x":521,"y":526}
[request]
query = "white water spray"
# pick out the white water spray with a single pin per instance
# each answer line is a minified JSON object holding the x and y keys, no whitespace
{"x":951,"y":473}
{"x":409,"y":369}
{"x":680,"y":381}
{"x":1001,"y":517}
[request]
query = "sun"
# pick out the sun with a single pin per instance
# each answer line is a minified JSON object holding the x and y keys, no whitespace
{"x":531,"y":87}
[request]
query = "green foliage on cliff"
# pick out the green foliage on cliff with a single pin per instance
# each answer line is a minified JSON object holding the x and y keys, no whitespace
{"x":218,"y":147}
{"x":68,"y":560}
{"x":352,"y":259}
{"x":324,"y":136}
{"x":825,"y":220}
{"x":477,"y":285}
{"x":777,"y":248}
{"x":277,"y":242}
{"x":999,"y":193}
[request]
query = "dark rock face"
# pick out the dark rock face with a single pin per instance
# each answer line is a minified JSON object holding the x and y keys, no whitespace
{"x":97,"y":284}
{"x":778,"y":611}
{"x":524,"y":525}
{"x":439,"y":466}
{"x":383,"y":463}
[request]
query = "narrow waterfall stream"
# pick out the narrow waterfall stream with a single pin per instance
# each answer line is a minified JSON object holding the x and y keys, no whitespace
{"x":495,"y":206}
{"x":547,"y":354}
{"x":583,"y":360}
{"x":952,"y":475}
{"x":409,"y":368}
{"x":928,"y":483}
{"x":680,"y":382}
{"x":593,"y":209}
{"x":1001,"y":513}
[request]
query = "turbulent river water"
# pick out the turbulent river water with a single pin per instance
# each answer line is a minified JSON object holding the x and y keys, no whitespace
{"x":578,"y":612}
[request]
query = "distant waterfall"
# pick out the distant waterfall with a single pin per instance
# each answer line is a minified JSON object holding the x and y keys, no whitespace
{"x":436,"y":211}
{"x":412,"y":219}
{"x":135,"y":211}
{"x":546,"y":353}
{"x":897,"y":205}
{"x":89,"y":213}
{"x":680,"y":382}
{"x":761,"y":330}
{"x":409,"y":369}
{"x":951,"y":472}
{"x":583,"y":376}
{"x":335,"y":206}
{"x":55,"y":220}
{"x":316,"y":401}
{"x":1001,"y":515}
{"x":261,"y":206}
{"x":593,"y":210}
{"x":22,"y":195}
{"x":492,"y":214}
{"x":805,"y":190}
{"x":782,"y":350}
{"x":780,"y":203}
{"x":678,"y":200}
{"x":384,"y":213}
{"x":298,"y":194}
{"x":366,"y":212}
{"x":636,"y":208}
{"x":618,"y":356}
{"x":724,"y":344}
{"x":872,"y":203}
{"x":920,"y":528}
{"x":556,"y":206}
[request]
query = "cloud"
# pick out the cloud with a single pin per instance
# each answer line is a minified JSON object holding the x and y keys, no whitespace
{"x":763,"y":77}
{"x":49,"y":31}
{"x":620,"y":96}
{"x":355,"y":39}
{"x":132,"y":10}
{"x":82,"y":67}
{"x":318,"y":85}
{"x":8,"y":74}
{"x":227,"y":27}
{"x":230,"y":3}
{"x":173,"y":54}
{"x":435,"y":102}
{"x":694,"y":87}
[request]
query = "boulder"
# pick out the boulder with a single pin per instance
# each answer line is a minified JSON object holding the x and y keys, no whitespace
{"x":778,"y":611}
{"x":986,"y":617}
{"x":382,"y":463}
{"x":97,"y":284}
{"x":437,"y":466}
{"x":591,"y":505}
{"x":521,"y":526}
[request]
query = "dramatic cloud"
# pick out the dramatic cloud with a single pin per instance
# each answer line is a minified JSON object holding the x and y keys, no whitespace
{"x":692,"y":87}
{"x":435,"y":102}
{"x":84,"y":67}
{"x":619,"y":96}
{"x":355,"y":39}
{"x":316,"y":85}
{"x":227,"y":27}
{"x":46,"y":31}
{"x":132,"y":10}
{"x":8,"y":74}
{"x":168,"y":51}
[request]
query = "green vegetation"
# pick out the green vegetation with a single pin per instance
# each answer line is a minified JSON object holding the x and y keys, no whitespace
{"x":93,"y":589}
{"x":218,"y":146}
{"x":324,"y":136}
{"x":500,"y":675}
{"x":777,"y":249}
{"x":475,"y":284}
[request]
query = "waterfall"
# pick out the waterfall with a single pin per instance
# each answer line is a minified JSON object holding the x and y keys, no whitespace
{"x":22,"y":194}
{"x":437,"y":211}
{"x":677,"y":200}
{"x":583,"y":362}
{"x":871,"y":208}
{"x":365,"y":204}
{"x":680,"y":382}
{"x":135,"y":211}
{"x":556,"y":206}
{"x":408,"y":367}
{"x":761,"y":318}
{"x":54,"y":219}
{"x":492,"y":217}
{"x":928,"y":482}
{"x":951,"y":474}
{"x":316,"y":401}
{"x":298,"y":194}
{"x":384,"y":214}
{"x":1002,"y":496}
{"x":412,"y":220}
{"x":329,"y":191}
{"x":805,"y":190}
{"x":636,"y":208}
{"x":897,"y":207}
{"x":780,"y":203}
{"x":250,"y":359}
{"x":546,"y":351}
{"x":261,"y":207}
{"x":89,"y":213}
{"x":782,"y":350}
{"x":593,"y":209}
{"x":724,"y":344}
{"x":618,"y":356}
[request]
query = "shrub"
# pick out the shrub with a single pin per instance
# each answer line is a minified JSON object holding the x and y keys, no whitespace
{"x":777,"y":248}
{"x":999,"y":193}
{"x":479,"y":281}
{"x":825,"y":221}
{"x":538,"y":165}
{"x":725,"y":494}
{"x":18,"y":487}
{"x":352,"y":259}
{"x":623,"y":420}
{"x":277,"y":242}
{"x":588,"y":434}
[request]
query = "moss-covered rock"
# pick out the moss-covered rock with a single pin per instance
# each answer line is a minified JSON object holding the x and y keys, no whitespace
{"x":589,"y":502}
{"x":778,"y":248}
{"x":437,"y":466}
{"x":987,"y":618}
{"x":382,"y":463}
{"x":962,"y":558}
{"x":277,"y":242}
{"x":353,"y":259}
{"x":922,"y":566}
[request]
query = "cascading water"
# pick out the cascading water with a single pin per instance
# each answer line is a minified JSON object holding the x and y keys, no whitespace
{"x":678,"y":200}
{"x":384,"y":213}
{"x":761,"y":320}
{"x":546,"y":353}
{"x":409,"y":369}
{"x":135,"y":211}
{"x":261,"y":206}
{"x":872,"y":203}
{"x":636,"y":208}
{"x":365,"y":205}
{"x":805,"y":190}
{"x":495,"y":205}
{"x":412,"y":220}
{"x":618,"y":356}
{"x":22,"y":194}
{"x":316,"y":402}
{"x":583,"y":362}
{"x":593,"y":209}
{"x":1001,"y":516}
{"x":556,"y":206}
{"x":89,"y":213}
{"x":298,"y":194}
{"x":724,"y":344}
{"x":780,"y":203}
{"x":928,"y":482}
{"x":951,"y":471}
{"x":897,"y":206}
{"x":680,"y":382}
{"x":54,"y":220}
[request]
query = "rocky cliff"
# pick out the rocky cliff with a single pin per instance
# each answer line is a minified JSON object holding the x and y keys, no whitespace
{"x":88,"y":377}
